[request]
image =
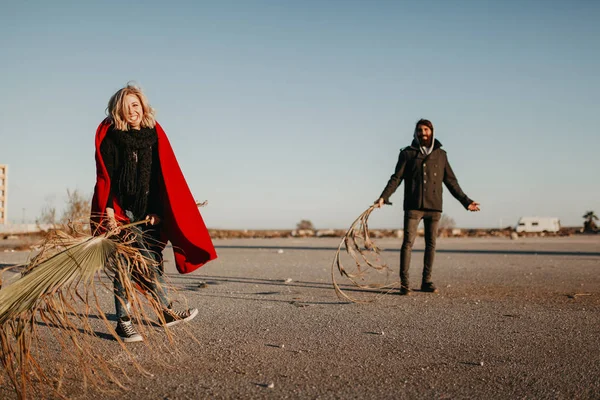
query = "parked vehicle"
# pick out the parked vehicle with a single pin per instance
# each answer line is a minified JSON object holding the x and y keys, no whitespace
{"x":538,"y":224}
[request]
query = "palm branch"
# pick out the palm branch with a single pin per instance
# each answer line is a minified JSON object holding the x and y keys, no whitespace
{"x":51,"y":304}
{"x":366,"y":256}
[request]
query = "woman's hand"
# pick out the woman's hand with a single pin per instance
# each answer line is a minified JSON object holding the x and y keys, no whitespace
{"x":153,"y":219}
{"x":111,"y":221}
{"x":379,"y":203}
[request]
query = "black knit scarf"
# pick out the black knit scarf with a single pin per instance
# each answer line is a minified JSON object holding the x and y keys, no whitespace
{"x":134,"y":149}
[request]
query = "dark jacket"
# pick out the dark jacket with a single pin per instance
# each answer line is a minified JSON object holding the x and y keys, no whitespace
{"x":423,"y":176}
{"x":181,"y":224}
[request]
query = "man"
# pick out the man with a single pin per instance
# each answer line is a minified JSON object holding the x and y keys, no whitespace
{"x":423,"y":166}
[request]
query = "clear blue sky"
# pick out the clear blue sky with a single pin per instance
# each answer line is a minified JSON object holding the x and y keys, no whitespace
{"x":286,"y":110}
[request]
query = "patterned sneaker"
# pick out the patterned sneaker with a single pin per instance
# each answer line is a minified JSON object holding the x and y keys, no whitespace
{"x":428,"y":287}
{"x":173,"y":317}
{"x":127,"y":332}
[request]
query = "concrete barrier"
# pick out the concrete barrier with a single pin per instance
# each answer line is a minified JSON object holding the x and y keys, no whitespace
{"x":24,"y":228}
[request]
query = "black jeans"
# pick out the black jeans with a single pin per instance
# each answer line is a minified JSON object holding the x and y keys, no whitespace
{"x":411,"y":222}
{"x":146,"y":240}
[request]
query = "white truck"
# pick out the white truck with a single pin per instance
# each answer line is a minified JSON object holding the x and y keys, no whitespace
{"x":538,"y":224}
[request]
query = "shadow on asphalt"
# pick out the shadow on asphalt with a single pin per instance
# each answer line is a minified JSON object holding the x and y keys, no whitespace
{"x":101,"y":335}
{"x":206,"y":281}
{"x":442,"y":251}
{"x":296,"y":303}
{"x":11,"y":265}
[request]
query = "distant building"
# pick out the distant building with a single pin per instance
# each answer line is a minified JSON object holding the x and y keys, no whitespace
{"x":538,"y":224}
{"x":3,"y":195}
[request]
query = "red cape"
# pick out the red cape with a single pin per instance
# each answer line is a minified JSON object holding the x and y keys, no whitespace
{"x":181,"y":224}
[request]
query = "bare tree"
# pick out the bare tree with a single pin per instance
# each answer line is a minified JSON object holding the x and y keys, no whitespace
{"x":78,"y":208}
{"x":305,"y":225}
{"x":48,"y":215}
{"x":76,"y":213}
{"x":446,"y":222}
{"x":48,"y":212}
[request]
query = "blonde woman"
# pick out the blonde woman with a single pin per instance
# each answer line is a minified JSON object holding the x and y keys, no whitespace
{"x":138,"y":178}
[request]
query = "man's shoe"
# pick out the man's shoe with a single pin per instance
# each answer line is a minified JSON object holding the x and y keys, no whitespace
{"x":127,"y":332}
{"x":173,"y":317}
{"x":428,"y":287}
{"x":404,"y":291}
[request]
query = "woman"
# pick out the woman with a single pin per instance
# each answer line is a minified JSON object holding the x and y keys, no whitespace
{"x":138,"y":178}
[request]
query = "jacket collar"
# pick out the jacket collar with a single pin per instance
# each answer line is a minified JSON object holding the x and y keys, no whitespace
{"x":416,"y":146}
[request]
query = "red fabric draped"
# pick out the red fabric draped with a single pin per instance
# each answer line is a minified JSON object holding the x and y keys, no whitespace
{"x":181,"y":223}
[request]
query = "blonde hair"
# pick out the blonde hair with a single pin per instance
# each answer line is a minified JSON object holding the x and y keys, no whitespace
{"x":116,"y":108}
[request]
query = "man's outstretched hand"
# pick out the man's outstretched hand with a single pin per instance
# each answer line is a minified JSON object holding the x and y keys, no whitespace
{"x":474,"y":206}
{"x":379,"y":203}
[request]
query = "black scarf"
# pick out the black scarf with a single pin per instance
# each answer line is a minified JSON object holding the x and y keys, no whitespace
{"x":134,"y":150}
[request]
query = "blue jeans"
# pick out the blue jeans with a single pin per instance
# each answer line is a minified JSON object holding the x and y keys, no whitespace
{"x":411,"y":223}
{"x":146,"y":240}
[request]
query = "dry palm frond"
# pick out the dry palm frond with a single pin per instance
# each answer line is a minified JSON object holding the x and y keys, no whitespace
{"x":366,"y":256}
{"x":80,"y":261}
{"x":47,"y":311}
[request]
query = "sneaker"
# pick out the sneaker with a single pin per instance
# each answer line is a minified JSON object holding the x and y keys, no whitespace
{"x":127,"y":332}
{"x":173,"y":317}
{"x":428,"y":287}
{"x":404,"y":291}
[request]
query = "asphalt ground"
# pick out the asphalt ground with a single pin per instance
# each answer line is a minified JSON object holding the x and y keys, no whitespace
{"x":512,"y":319}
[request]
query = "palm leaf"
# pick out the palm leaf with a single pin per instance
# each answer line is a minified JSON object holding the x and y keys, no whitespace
{"x":51,"y":305}
{"x":362,"y":249}
{"x":80,"y":262}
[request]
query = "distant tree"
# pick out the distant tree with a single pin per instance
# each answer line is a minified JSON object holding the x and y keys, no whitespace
{"x":589,"y":225}
{"x":305,"y":225}
{"x":48,"y":213}
{"x":77,"y":210}
{"x":446,"y":222}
